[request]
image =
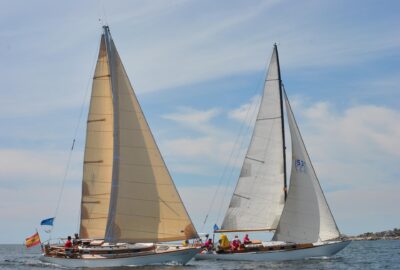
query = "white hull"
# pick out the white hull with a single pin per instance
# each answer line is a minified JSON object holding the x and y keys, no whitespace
{"x":324,"y":250}
{"x":175,"y":257}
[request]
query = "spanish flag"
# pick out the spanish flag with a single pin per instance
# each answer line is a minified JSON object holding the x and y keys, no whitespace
{"x":33,"y":240}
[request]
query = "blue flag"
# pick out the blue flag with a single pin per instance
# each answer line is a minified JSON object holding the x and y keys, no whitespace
{"x":48,"y":221}
{"x":216,"y":228}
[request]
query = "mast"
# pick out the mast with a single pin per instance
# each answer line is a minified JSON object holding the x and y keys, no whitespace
{"x":115,"y":166}
{"x":282,"y":122}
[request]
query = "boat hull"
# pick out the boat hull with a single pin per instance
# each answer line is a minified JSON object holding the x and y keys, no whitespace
{"x":174,"y":257}
{"x":324,"y":250}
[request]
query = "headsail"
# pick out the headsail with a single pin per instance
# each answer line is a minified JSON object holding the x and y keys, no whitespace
{"x":306,"y":217}
{"x":258,"y":199}
{"x":144,"y":205}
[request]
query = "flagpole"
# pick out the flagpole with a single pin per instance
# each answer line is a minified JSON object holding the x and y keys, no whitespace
{"x":41,"y":245}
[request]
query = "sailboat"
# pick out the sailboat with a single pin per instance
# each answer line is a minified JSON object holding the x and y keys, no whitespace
{"x":131,"y":210}
{"x":300,"y":217}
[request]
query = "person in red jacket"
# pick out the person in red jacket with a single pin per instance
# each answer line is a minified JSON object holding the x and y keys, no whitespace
{"x":68,"y":247}
{"x":68,"y":244}
{"x":235,"y":244}
{"x":246,"y":239}
{"x":208,"y":244}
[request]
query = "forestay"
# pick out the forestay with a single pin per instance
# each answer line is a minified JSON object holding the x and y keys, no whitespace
{"x":306,"y":217}
{"x":258,"y":199}
{"x":144,"y":205}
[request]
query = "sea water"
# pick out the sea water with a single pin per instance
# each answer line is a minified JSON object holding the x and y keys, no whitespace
{"x":381,"y":254}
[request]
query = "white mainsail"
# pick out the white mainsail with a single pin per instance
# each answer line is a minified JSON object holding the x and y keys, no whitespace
{"x":128,"y":194}
{"x":306,"y":217}
{"x":259,"y":196}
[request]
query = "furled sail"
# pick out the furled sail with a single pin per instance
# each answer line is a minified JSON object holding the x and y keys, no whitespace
{"x":144,"y":205}
{"x":306,"y":217}
{"x":258,"y":199}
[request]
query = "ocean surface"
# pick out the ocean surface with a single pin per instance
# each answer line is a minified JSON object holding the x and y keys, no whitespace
{"x":381,"y":254}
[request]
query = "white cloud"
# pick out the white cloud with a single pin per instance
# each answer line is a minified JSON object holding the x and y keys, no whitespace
{"x":161,"y":49}
{"x":33,"y":165}
{"x":211,"y":145}
{"x":202,"y":154}
{"x":194,"y":119}
{"x":220,"y":53}
{"x":247,"y":112}
{"x":362,"y":137}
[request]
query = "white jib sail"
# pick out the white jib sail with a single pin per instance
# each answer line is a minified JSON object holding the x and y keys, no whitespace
{"x":258,"y":199}
{"x":306,"y":217}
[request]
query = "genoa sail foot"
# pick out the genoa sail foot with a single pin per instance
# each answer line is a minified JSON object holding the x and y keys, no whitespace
{"x":303,"y":223}
{"x":128,"y":195}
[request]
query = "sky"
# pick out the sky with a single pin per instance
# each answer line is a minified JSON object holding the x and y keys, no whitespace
{"x":198,"y":68}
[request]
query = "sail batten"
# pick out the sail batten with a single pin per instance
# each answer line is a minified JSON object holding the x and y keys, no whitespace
{"x":306,"y":217}
{"x":261,"y":181}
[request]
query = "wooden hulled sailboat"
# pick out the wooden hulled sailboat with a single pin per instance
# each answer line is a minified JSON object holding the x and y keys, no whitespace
{"x":129,"y":201}
{"x":303,"y":223}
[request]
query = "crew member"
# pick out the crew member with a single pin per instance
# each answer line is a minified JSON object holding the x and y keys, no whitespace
{"x":246,"y":240}
{"x":235,"y":245}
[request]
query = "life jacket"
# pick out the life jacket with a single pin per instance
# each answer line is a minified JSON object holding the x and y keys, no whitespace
{"x":224,"y":241}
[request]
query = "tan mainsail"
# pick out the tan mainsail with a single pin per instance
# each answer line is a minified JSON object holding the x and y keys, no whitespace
{"x":98,"y":159}
{"x":144,"y":205}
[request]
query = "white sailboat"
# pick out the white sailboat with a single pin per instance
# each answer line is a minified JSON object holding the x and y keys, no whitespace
{"x":303,"y":223}
{"x":129,"y":202}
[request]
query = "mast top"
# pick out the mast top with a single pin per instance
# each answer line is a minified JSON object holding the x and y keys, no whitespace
{"x":106,"y":29}
{"x":276,"y":46}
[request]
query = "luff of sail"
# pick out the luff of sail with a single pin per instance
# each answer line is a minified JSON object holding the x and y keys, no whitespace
{"x":144,"y":205}
{"x":306,"y":217}
{"x":98,"y":158}
{"x":258,"y":199}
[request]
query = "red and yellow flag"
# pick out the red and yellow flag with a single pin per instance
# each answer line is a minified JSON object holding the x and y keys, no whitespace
{"x":32,"y":241}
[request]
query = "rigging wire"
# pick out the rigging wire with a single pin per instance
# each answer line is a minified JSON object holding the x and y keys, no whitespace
{"x":224,"y":170}
{"x":67,"y":167}
{"x":103,"y":20}
{"x":251,"y":115}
